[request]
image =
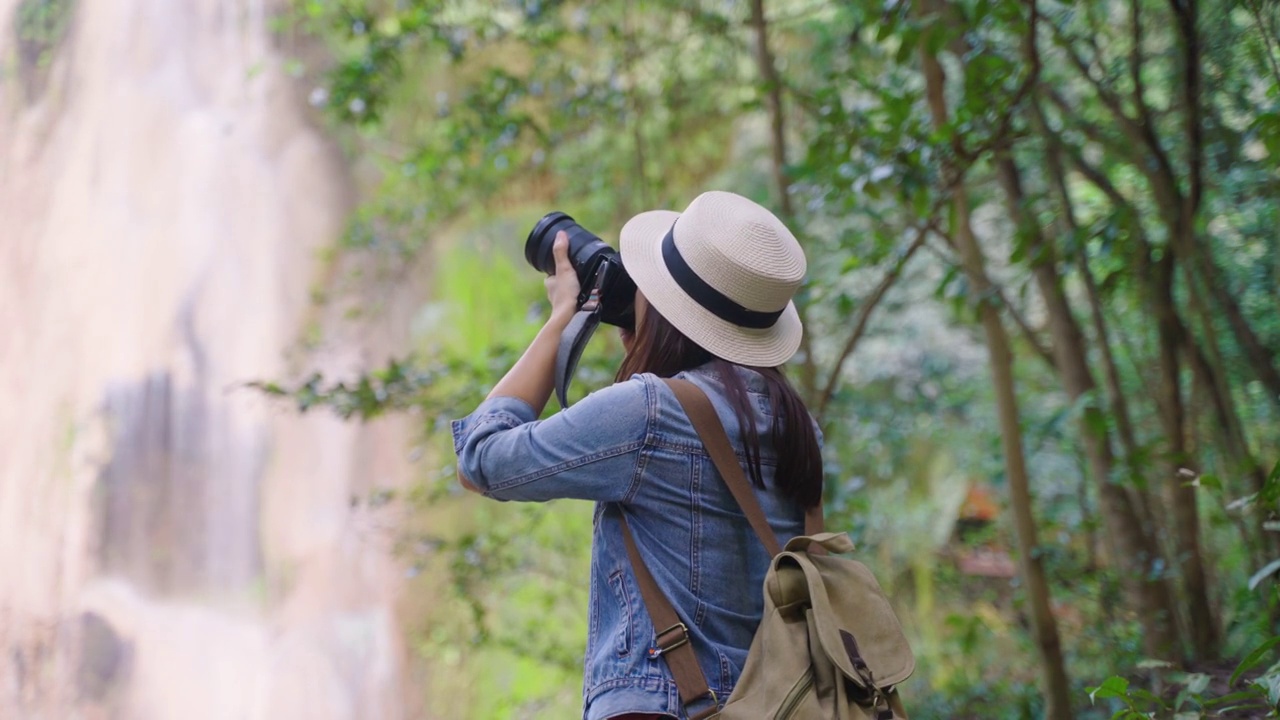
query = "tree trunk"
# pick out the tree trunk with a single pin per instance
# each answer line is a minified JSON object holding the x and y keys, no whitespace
{"x":1203,"y":376}
{"x":1057,"y":689}
{"x":1180,"y":216}
{"x":1153,"y":518}
{"x":1181,"y":495}
{"x":1207,"y":360}
{"x":781,"y":182}
{"x":1208,"y":366}
{"x":1178,"y":210}
{"x":1056,"y":686}
{"x":1119,"y":404}
{"x":1115,"y":391}
{"x":1260,"y":358}
{"x":773,"y":104}
{"x":1130,"y":547}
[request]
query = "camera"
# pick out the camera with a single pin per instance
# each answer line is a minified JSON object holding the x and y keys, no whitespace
{"x":607,"y":289}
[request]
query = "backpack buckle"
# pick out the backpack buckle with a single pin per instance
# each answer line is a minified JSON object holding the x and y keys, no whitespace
{"x":663,"y":646}
{"x":711,"y":712}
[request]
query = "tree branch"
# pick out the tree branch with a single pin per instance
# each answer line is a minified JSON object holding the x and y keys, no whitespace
{"x":781,"y":182}
{"x":1266,"y":37}
{"x":1135,"y":64}
{"x":1105,"y":93}
{"x":1186,"y":13}
{"x":1028,"y":332}
{"x":773,"y":102}
{"x":864,"y":315}
{"x":1098,"y":178}
{"x":1141,"y":133}
{"x":1028,"y":82}
{"x":1091,"y":130}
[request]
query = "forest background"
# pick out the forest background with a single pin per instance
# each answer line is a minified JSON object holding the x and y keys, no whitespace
{"x":1042,"y":312}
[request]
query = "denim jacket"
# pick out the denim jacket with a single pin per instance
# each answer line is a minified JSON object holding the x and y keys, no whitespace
{"x":631,"y":449}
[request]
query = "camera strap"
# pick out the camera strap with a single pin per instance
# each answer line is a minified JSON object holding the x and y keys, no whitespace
{"x":572,"y":342}
{"x":577,"y":334}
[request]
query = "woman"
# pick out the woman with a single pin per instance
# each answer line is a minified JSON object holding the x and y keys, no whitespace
{"x":713,"y":306}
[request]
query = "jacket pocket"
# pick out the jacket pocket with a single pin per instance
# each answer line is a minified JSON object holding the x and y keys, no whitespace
{"x":617,"y":582}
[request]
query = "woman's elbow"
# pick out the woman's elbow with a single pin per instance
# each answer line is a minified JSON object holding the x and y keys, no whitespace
{"x":471,"y":476}
{"x":467,"y":484}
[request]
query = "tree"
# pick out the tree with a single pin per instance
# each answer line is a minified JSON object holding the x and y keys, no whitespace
{"x":1131,"y":547}
{"x":1093,"y":183}
{"x":1056,"y":686}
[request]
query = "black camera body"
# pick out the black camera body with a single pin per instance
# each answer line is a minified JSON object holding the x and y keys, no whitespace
{"x":606,"y":287}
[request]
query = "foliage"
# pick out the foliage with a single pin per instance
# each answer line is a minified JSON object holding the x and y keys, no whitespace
{"x":477,"y":117}
{"x":1194,"y":697}
{"x":39,"y":27}
{"x":42,"y":22}
{"x":514,"y":100}
{"x":399,"y":386}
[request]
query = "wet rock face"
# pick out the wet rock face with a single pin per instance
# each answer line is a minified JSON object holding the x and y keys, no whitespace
{"x":26,"y":654}
{"x":172,"y":546}
{"x":104,"y":659}
{"x":171,"y":517}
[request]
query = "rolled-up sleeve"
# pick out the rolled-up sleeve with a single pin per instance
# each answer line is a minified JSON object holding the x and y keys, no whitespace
{"x":590,"y":451}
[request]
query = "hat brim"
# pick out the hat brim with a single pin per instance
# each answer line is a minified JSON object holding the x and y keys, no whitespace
{"x":641,"y":245}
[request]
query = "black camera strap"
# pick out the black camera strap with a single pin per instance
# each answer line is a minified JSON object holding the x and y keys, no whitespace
{"x":577,"y":334}
{"x":572,"y":342}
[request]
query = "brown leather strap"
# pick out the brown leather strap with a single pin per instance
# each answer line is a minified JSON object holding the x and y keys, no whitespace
{"x":671,"y":634}
{"x":702,"y":413}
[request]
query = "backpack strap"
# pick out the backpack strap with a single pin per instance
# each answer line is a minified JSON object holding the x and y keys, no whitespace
{"x":671,"y":635}
{"x":711,"y":431}
{"x":673,"y":639}
{"x":702,"y":413}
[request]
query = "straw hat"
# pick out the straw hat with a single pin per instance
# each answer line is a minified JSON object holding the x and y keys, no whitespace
{"x":723,"y":272}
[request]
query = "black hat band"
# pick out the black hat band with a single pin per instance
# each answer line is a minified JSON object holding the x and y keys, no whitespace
{"x":708,"y":297}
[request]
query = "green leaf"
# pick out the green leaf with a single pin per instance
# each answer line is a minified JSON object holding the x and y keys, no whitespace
{"x":935,"y":37}
{"x":1271,"y":488}
{"x":904,"y":50}
{"x":1213,"y":482}
{"x":1196,"y":682}
{"x":944,"y":285}
{"x":1112,"y":687}
{"x":1253,"y":658}
{"x":1096,"y":421}
{"x":1146,"y":695}
{"x":1235,"y":697}
{"x":1270,"y":684}
{"x":1270,"y":569}
{"x":920,"y":203}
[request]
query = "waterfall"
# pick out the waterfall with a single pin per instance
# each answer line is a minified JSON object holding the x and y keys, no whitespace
{"x":172,"y":545}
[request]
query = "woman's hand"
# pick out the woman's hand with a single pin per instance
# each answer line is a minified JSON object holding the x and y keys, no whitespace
{"x":563,"y":287}
{"x":532,"y":378}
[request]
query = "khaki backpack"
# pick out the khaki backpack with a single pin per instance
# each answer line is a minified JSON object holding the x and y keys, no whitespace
{"x":828,"y":646}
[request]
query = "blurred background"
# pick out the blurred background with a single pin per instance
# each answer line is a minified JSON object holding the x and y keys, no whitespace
{"x":255,"y":254}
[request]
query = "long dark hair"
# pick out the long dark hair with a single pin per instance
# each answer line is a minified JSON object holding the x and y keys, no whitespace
{"x":661,"y":349}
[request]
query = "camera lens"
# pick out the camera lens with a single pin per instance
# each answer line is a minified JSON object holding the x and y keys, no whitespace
{"x":592,"y":260}
{"x":583,"y":245}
